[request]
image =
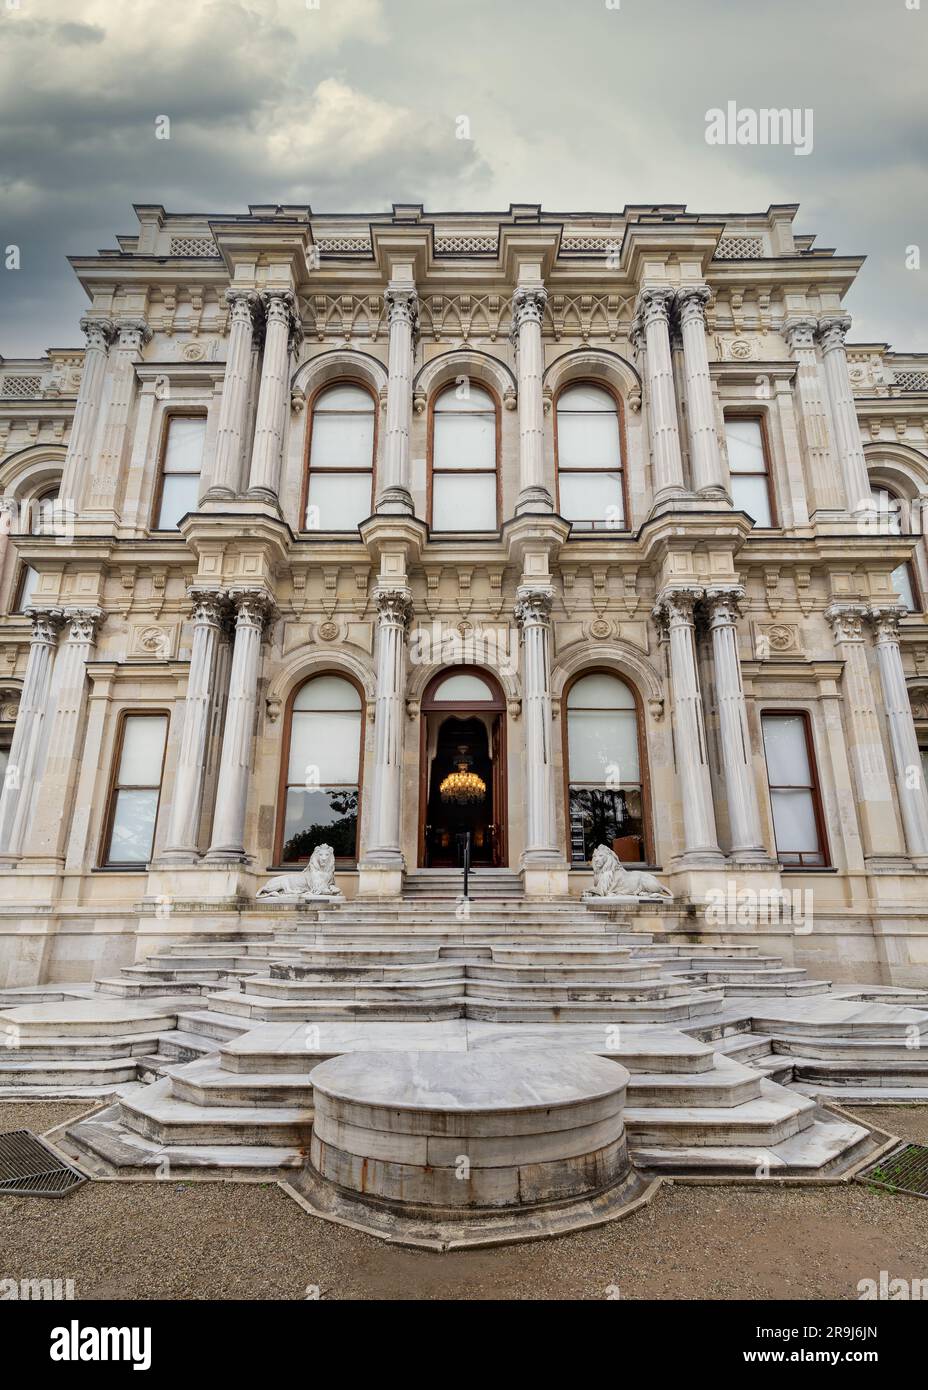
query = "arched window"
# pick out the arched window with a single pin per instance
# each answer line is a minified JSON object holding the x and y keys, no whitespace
{"x":464,"y":491}
{"x":339,"y":493}
{"x":590,"y":485}
{"x":892,"y":519}
{"x":604,"y":769}
{"x":44,"y":512}
{"x":321,"y":775}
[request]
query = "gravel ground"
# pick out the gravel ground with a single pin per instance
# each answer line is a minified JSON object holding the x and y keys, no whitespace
{"x":215,"y":1240}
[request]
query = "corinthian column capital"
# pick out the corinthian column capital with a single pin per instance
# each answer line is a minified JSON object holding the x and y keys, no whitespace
{"x":209,"y":606}
{"x":403,"y":307}
{"x":394,"y":606}
{"x":723,"y":606}
{"x":653,"y":304}
{"x":528,"y":306}
{"x":832,"y":331}
{"x":886,"y":621}
{"x":46,"y":624}
{"x":533,"y":607}
{"x":800,"y":333}
{"x":280,"y":306}
{"x":84,"y":623}
{"x":690,"y":302}
{"x":847,"y":621}
{"x":132,"y":334}
{"x":98,"y":332}
{"x":243,"y":305}
{"x":677,"y":607}
{"x":253,"y":607}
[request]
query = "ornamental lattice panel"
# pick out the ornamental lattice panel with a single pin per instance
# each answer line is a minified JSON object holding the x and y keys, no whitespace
{"x":343,"y":245}
{"x":21,"y":387}
{"x":464,"y":245}
{"x":200,"y":246}
{"x":911,"y":381}
{"x":740,"y":248}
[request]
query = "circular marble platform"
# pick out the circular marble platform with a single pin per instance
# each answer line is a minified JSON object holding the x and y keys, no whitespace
{"x":465,"y":1132}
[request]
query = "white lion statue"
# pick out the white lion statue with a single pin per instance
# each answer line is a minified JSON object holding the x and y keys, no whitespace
{"x":612,"y":880}
{"x":317,"y":880}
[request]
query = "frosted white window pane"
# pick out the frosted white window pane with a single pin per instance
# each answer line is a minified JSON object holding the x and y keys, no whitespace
{"x":464,"y":441}
{"x":794,"y":822}
{"x":342,"y":441}
{"x":745,"y":446}
{"x":327,"y":692}
{"x":27,"y":587}
{"x":922,"y":751}
{"x":184,"y":449}
{"x":886,"y":516}
{"x":133,"y":827}
{"x":603,"y":746}
{"x":787,"y":754}
{"x":179,"y":495}
{"x":588,"y":441}
{"x":751,"y":495}
{"x":45,"y":513}
{"x":902,"y":583}
{"x":600,"y":691}
{"x":4,"y":759}
{"x":324,"y":748}
{"x":142,"y":751}
{"x":585,"y":397}
{"x":464,"y":688}
{"x":592,"y":497}
{"x":465,"y":503}
{"x":475,"y":399}
{"x":344,"y":397}
{"x":338,"y":501}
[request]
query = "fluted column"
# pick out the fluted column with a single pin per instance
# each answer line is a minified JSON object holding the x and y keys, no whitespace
{"x":705,"y":453}
{"x":675,"y":611}
{"x":394,"y":607}
{"x":878,"y":824}
{"x":394,"y":497}
{"x":99,"y":334}
{"x":103,"y":478}
{"x":252,"y":610}
{"x":910,"y":781}
{"x":747,"y":841}
{"x":822,"y":478}
{"x":46,"y":836}
{"x":281,"y":329}
{"x":533,"y":614}
{"x":528,"y":309}
{"x":187,"y":803}
{"x":19,"y":783}
{"x":831,"y":334}
{"x":652,"y":320}
{"x":227,"y":471}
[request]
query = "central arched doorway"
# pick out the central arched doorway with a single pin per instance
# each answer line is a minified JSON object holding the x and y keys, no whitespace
{"x":462,"y":763}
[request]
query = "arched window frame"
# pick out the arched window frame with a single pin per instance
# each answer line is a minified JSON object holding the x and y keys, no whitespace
{"x":283,"y":784}
{"x":321,"y":389}
{"x":643,"y":767}
{"x":610,"y":390}
{"x":444,"y":388}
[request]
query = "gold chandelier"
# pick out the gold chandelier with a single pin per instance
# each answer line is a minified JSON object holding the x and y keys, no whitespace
{"x":463,"y":786}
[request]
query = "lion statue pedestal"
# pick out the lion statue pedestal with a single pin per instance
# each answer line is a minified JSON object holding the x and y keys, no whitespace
{"x":613,"y":883}
{"x":315,"y":883}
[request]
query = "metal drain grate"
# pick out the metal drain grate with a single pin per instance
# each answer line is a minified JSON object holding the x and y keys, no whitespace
{"x":28,"y":1165}
{"x":903,"y":1169}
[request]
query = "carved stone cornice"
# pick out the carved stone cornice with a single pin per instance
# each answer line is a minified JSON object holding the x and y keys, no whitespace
{"x":394,"y":606}
{"x":528,"y":306}
{"x":98,"y":332}
{"x":799,"y":333}
{"x":847,"y":621}
{"x":533,"y":607}
{"x":832,"y":332}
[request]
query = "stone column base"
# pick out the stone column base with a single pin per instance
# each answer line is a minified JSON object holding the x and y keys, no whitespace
{"x":545,"y":881}
{"x":380,"y":880}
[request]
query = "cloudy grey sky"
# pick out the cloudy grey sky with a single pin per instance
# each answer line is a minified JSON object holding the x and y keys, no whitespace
{"x":351,"y":105}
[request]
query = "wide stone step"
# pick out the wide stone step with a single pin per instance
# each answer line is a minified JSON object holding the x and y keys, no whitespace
{"x":773,"y":1116}
{"x":785,"y":989}
{"x":157,"y":1115}
{"x":555,"y":992}
{"x":206,"y":1083}
{"x":663,"y":1011}
{"x":727,"y":1084}
{"x":62,"y":1074}
{"x":617,"y":972}
{"x":827,"y":1145}
{"x":839,"y":1017}
{"x":880,"y":1051}
{"x":106,"y":1146}
{"x":431,"y":973}
{"x":901,"y":1073}
{"x":744,"y":1047}
{"x":117,"y":988}
{"x":262,"y":1007}
{"x":212,"y":1023}
{"x":753,"y":973}
{"x":97,"y":1017}
{"x":560,"y":955}
{"x":451,"y":987}
{"x":78,"y":1047}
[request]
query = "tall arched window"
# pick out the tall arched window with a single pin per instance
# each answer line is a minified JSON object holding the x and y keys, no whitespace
{"x":44,"y":512}
{"x":590,"y":485}
{"x":604,"y":770}
{"x":321,"y":775}
{"x":892,"y":519}
{"x":463,"y":479}
{"x":340,"y":489}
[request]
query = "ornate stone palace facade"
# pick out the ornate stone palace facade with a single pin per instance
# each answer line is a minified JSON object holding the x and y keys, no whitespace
{"x":550,"y":530}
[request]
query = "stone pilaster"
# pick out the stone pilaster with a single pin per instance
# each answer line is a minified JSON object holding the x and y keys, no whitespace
{"x":383,"y":851}
{"x":528,"y":308}
{"x":99,"y":334}
{"x":675,"y":612}
{"x":910,"y":781}
{"x":20,"y":782}
{"x":209,"y":607}
{"x":230,"y":436}
{"x":652,"y":323}
{"x":282,"y":327}
{"x":705,"y":453}
{"x":252,"y":611}
{"x":831,"y":335}
{"x":533,"y":614}
{"x":878,"y":824}
{"x":103,"y":479}
{"x":747,"y":841}
{"x":822,"y":478}
{"x":47,"y":834}
{"x":394,"y":497}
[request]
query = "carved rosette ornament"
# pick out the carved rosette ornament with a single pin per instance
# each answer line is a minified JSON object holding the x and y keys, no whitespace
{"x":847,"y":621}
